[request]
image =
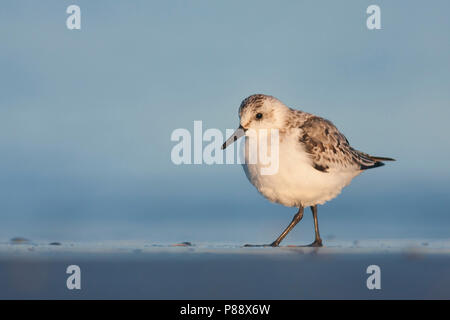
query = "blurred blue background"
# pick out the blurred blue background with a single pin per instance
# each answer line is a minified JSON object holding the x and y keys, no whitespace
{"x":86,"y":116}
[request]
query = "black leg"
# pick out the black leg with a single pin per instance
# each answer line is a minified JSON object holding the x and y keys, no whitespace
{"x":294,"y":221}
{"x":317,"y":241}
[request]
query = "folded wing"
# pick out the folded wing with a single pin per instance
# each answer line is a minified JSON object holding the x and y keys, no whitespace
{"x":330,"y":150}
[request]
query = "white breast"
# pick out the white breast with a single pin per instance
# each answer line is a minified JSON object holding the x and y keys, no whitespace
{"x":297,"y":182}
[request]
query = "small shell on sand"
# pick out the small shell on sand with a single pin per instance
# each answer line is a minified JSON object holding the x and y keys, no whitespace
{"x":182,"y":244}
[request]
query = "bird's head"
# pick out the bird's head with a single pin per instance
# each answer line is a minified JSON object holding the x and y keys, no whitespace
{"x":259,"y":111}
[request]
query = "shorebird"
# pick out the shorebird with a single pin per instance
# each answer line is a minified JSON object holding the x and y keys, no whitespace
{"x":316,"y":161}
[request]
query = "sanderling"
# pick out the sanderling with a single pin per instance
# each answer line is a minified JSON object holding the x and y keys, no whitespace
{"x":315,"y":160}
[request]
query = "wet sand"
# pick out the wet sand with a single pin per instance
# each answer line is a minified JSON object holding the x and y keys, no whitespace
{"x":137,"y":270}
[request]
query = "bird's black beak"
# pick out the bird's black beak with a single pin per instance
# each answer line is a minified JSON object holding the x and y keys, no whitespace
{"x":236,"y":135}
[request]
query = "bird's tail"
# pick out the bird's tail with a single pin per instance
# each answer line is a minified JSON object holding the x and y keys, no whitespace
{"x":377,"y":161}
{"x":374,"y":158}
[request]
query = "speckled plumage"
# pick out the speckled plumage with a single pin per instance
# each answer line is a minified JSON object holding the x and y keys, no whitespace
{"x":329,"y":149}
{"x":315,"y":160}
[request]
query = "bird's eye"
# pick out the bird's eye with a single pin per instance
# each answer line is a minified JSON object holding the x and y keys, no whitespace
{"x":259,"y":115}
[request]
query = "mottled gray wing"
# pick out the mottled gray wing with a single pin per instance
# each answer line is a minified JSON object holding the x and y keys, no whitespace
{"x":329,"y":149}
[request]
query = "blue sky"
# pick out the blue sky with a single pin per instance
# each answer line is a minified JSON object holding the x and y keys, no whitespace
{"x":86,"y":116}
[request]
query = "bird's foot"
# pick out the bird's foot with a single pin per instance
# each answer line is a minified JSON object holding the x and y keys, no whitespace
{"x":273,"y":244}
{"x":316,"y":243}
